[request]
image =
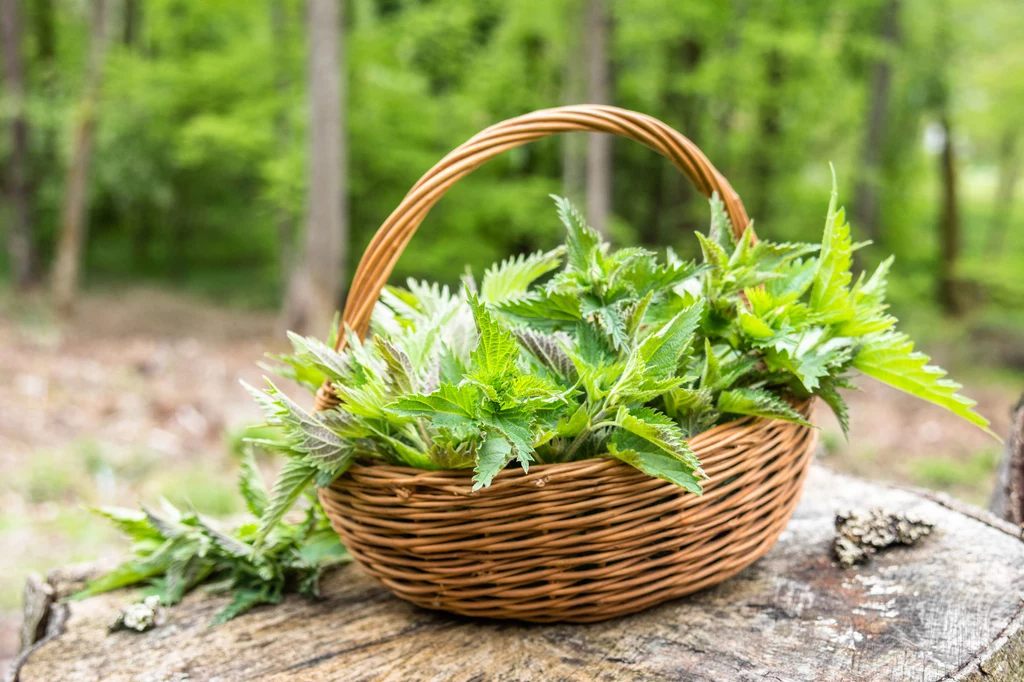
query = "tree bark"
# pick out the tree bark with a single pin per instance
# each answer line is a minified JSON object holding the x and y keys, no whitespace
{"x":599,"y":147}
{"x":20,"y":241}
{"x":1002,"y":208}
{"x":949,"y":223}
{"x":770,"y":130}
{"x":282,"y":131}
{"x":313,"y":293}
{"x":574,"y":91}
{"x":1008,"y":496}
{"x":130,"y":22}
{"x":74,"y":216}
{"x":869,"y":183}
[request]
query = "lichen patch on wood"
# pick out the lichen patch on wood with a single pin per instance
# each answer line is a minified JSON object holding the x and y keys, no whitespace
{"x":862,"y":534}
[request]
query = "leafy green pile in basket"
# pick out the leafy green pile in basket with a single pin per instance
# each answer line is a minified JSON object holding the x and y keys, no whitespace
{"x":575,"y":353}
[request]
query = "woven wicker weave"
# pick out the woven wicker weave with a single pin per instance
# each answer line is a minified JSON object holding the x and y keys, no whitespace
{"x":575,"y":542}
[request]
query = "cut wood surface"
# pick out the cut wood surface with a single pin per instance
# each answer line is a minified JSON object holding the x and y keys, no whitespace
{"x":949,"y":608}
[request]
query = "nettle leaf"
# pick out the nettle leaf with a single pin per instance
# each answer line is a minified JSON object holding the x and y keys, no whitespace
{"x":308,"y":434}
{"x":582,"y":242}
{"x":759,"y":403}
{"x":512,"y":278}
{"x":493,"y":455}
{"x":548,"y":350}
{"x":447,"y":405}
{"x":132,"y":522}
{"x":514,"y":426}
{"x":720,"y":231}
{"x":891,"y":359}
{"x":660,"y":431}
{"x":662,"y":349}
{"x":570,"y":427}
{"x":653,"y":461}
{"x":830,"y":296}
{"x":711,"y":375}
{"x":796,"y":278}
{"x":317,"y":354}
{"x":543,"y":309}
{"x":251,"y":484}
{"x":400,"y":370}
{"x":754,"y":327}
{"x":828,"y":391}
{"x":293,"y":479}
{"x":494,"y":358}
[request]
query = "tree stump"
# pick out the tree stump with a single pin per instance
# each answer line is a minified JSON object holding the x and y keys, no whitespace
{"x":948,"y":608}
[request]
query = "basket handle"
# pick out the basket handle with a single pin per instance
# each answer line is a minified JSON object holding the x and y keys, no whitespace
{"x":391,"y":239}
{"x":388,"y":244}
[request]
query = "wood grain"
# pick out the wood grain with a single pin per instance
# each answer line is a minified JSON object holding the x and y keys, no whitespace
{"x":946,"y":609}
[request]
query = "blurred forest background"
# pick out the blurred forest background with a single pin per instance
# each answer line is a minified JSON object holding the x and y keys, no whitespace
{"x":181,"y":179}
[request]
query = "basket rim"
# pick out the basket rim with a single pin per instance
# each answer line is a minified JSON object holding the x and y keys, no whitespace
{"x":702,"y":440}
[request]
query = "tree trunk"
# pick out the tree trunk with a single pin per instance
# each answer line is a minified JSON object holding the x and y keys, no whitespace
{"x":313,"y":293}
{"x":949,"y":223}
{"x":130,"y":22}
{"x":20,"y":242}
{"x":1002,"y":208}
{"x":574,"y":89}
{"x":769,"y":130}
{"x":1008,"y":496}
{"x":74,"y":217}
{"x":866,"y":193}
{"x":599,"y":147}
{"x":282,"y":131}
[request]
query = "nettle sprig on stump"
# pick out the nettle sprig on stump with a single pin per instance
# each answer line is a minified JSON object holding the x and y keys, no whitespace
{"x":586,"y":351}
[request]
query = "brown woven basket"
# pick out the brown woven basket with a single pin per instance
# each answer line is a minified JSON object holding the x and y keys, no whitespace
{"x":575,"y":542}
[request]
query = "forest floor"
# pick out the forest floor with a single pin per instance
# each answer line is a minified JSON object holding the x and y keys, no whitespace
{"x":137,"y":397}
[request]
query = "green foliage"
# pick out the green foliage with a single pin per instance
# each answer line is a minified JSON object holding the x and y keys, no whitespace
{"x":618,"y":353}
{"x":176,"y":551}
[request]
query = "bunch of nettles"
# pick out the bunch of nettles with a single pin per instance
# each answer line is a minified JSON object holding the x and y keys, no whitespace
{"x":581,"y":352}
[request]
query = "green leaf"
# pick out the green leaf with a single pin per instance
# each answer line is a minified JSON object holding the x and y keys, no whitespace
{"x":309,"y":435}
{"x":294,"y":477}
{"x":711,"y":374}
{"x":515,"y":427}
{"x":662,"y":349}
{"x":512,"y":277}
{"x":130,"y":572}
{"x":570,"y":427}
{"x":245,"y":600}
{"x":251,"y":485}
{"x":660,"y":431}
{"x":537,"y":308}
{"x":494,"y":358}
{"x":720,"y":232}
{"x":830,"y":296}
{"x":132,"y":522}
{"x":653,"y":461}
{"x":759,"y":403}
{"x":548,"y":350}
{"x":891,"y":359}
{"x":448,"y":404}
{"x":753,"y":326}
{"x":492,"y":456}
{"x":582,"y":242}
{"x":400,"y":371}
{"x":320,"y":356}
{"x":828,"y":392}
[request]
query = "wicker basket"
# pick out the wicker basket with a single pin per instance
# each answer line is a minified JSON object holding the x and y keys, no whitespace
{"x":576,"y":542}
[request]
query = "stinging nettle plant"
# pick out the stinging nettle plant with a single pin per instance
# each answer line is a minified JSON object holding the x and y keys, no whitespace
{"x":579,"y":352}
